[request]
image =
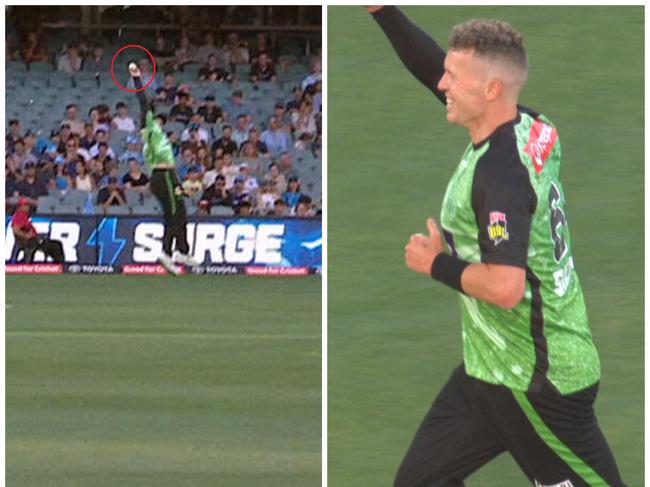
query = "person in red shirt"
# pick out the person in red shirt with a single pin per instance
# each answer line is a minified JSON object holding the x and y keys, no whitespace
{"x":28,"y":238}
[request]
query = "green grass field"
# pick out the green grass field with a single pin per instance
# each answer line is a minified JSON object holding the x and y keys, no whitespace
{"x":145,"y":381}
{"x":394,"y":336}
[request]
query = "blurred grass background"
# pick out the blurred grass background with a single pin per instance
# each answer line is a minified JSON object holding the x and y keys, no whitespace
{"x":394,"y":337}
{"x":155,"y":381}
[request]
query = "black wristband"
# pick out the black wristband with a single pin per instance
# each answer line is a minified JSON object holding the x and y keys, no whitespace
{"x":448,"y":270}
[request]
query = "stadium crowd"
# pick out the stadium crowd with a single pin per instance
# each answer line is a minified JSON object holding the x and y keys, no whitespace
{"x":227,"y":155}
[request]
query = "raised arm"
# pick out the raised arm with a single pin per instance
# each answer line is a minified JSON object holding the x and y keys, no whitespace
{"x":422,"y":55}
{"x":145,"y":105}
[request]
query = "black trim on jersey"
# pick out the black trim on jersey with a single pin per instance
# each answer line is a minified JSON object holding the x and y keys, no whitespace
{"x":503,"y":200}
{"x":537,"y":332}
{"x":421,"y":55}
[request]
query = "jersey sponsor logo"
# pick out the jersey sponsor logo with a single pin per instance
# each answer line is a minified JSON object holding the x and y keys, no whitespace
{"x":541,"y":142}
{"x":498,"y":227}
{"x":562,"y":278}
{"x":564,"y":483}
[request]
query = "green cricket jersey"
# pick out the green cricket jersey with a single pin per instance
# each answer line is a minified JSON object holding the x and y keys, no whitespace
{"x":157,"y":148}
{"x":505,"y":205}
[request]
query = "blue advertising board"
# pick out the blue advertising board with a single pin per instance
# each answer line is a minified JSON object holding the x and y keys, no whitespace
{"x":127,"y":240}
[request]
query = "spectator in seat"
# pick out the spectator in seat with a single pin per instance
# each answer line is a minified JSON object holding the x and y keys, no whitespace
{"x":13,"y":135}
{"x":31,"y":186}
{"x":166,"y":94}
{"x":122,"y":121}
{"x":244,"y":209}
{"x":304,"y":207}
{"x":207,"y":49}
{"x":235,"y":106}
{"x":215,"y":195}
{"x":164,"y":55}
{"x":12,"y":176}
{"x":135,"y":179}
{"x":210,"y":111}
{"x":70,"y":62}
{"x":111,"y":194}
{"x":261,"y":47}
{"x":96,"y":171}
{"x":296,"y":101}
{"x":263,"y":70}
{"x":225,"y":142}
{"x":212,"y":72}
{"x":240,"y":134}
{"x":104,"y":153}
{"x":284,"y":118}
{"x":280,"y":208}
{"x":304,"y":126}
{"x":238,"y":192}
{"x":96,"y":62}
{"x":21,"y":156}
{"x":185,"y":53}
{"x":104,"y":117}
{"x":133,"y":149}
{"x":186,"y":162}
{"x":315,"y":76}
{"x":250,"y":183}
{"x":194,"y":132}
{"x":83,"y":181}
{"x":101,"y":138}
{"x":34,"y":50}
{"x":64,"y":134}
{"x":88,"y":139}
{"x":266,"y":198}
{"x":275,"y":177}
{"x":249,"y":155}
{"x":293,"y":194}
{"x":276,"y":139}
{"x":229,"y":169}
{"x":203,"y":158}
{"x":211,"y":172}
{"x":72,"y":120}
{"x":182,"y":112}
{"x":192,"y":184}
{"x":286,"y":165}
{"x":254,"y":140}
{"x":236,"y":51}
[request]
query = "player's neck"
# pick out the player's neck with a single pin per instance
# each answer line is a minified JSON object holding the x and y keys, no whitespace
{"x":494,"y":117}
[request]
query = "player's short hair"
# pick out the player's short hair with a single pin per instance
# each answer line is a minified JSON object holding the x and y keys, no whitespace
{"x":493,"y":39}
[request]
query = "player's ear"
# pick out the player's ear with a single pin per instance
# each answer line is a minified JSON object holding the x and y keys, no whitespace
{"x":493,"y":89}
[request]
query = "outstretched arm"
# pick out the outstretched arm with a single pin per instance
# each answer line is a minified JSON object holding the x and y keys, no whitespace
{"x":422,"y":55}
{"x":145,"y":105}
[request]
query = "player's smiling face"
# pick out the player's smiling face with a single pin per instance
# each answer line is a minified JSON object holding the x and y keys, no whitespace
{"x":464,"y":84}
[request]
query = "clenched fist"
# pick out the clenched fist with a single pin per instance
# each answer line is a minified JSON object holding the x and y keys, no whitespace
{"x":422,"y":250}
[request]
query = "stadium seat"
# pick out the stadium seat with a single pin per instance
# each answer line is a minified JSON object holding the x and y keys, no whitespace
{"x":150,"y":206}
{"x":134,"y":198}
{"x":59,"y":79}
{"x":75,"y":197}
{"x":40,"y":67}
{"x":176,"y":127}
{"x":222,"y":211}
{"x":118,"y":210}
{"x":243,"y":71}
{"x":16,"y":67}
{"x":47,"y":204}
